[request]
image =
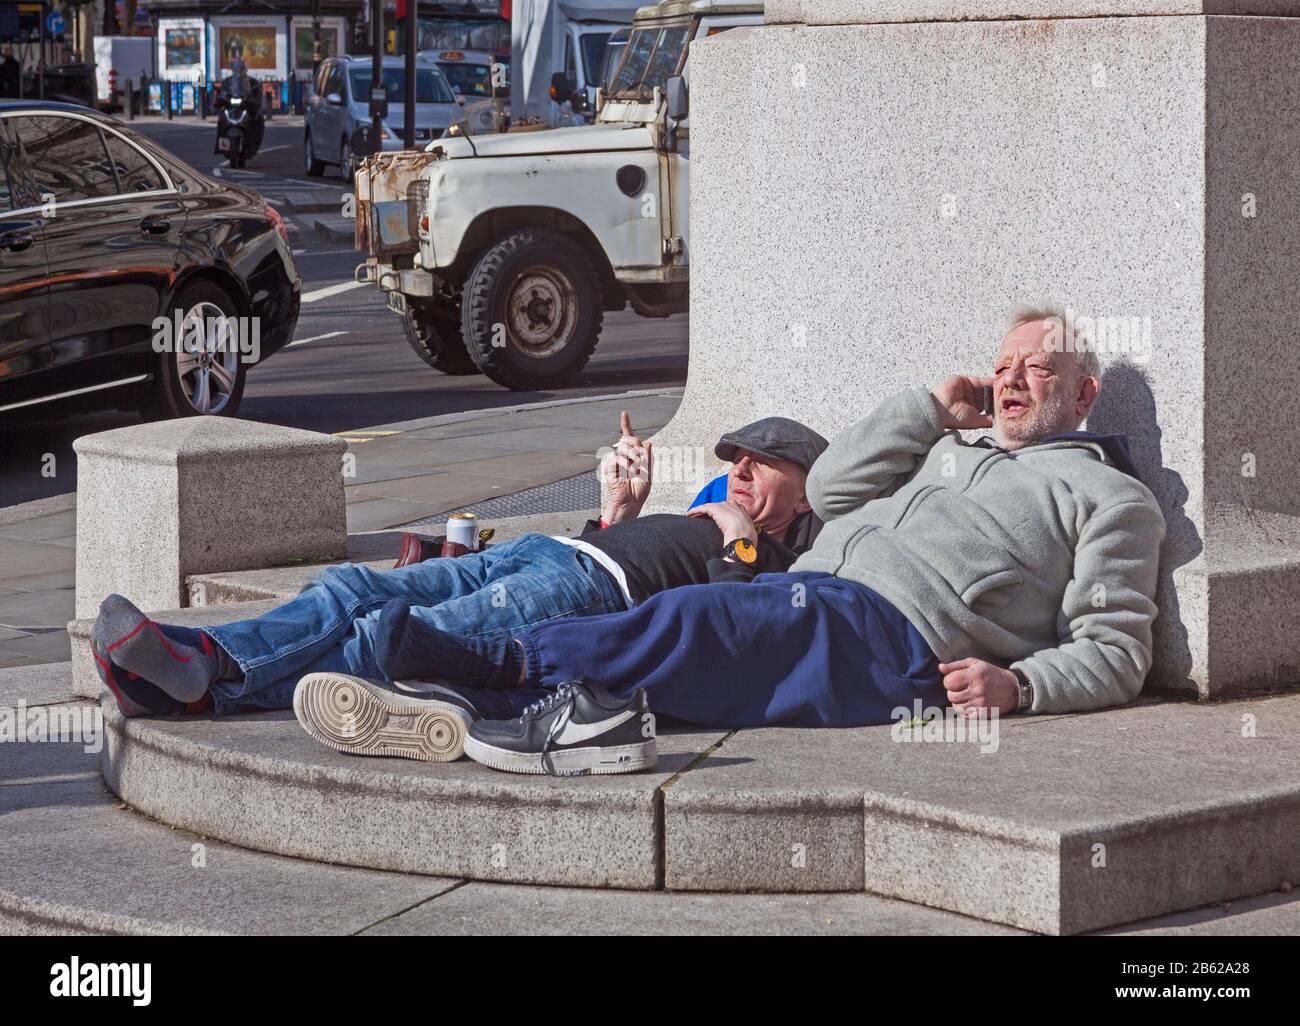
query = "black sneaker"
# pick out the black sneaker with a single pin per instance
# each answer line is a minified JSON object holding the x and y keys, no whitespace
{"x":409,"y":720}
{"x":579,"y":729}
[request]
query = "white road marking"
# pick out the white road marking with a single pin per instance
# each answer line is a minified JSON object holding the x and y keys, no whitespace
{"x":331,"y":290}
{"x":316,"y":338}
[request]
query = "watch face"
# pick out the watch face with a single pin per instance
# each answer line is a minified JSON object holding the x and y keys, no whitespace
{"x":745,"y":550}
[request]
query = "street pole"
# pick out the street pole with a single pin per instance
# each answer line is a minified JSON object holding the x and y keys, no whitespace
{"x":412,"y":38}
{"x":377,"y":68}
{"x":316,"y":55}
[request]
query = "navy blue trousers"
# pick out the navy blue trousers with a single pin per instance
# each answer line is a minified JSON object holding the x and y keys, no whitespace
{"x":805,"y":649}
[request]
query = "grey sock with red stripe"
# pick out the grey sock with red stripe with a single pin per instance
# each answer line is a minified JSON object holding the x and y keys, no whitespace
{"x":182,"y":661}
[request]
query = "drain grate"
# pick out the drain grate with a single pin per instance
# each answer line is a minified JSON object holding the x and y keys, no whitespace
{"x":582,"y":491}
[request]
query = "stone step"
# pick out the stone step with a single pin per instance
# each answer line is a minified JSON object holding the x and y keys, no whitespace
{"x":377,"y":549}
{"x":1073,"y":823}
{"x":77,"y":861}
{"x":97,"y":866}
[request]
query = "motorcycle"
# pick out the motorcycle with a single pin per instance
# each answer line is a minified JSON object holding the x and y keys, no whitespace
{"x":236,"y":123}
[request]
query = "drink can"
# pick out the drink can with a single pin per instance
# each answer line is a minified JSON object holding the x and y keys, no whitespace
{"x":462,"y":534}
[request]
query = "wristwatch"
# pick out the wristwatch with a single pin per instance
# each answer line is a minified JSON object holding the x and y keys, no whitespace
{"x":1026,"y":691}
{"x":742,"y":550}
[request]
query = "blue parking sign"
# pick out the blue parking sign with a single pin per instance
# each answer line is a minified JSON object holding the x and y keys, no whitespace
{"x":54,"y":23}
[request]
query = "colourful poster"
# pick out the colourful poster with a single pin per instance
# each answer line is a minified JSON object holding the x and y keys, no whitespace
{"x":255,"y":43}
{"x":183,"y":47}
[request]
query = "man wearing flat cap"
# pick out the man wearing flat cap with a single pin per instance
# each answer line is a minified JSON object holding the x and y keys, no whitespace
{"x":759,"y":521}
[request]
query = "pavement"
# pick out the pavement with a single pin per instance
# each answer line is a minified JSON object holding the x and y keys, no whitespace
{"x":401,"y":473}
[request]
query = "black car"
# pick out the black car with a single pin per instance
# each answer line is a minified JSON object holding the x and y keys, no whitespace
{"x":108,"y":246}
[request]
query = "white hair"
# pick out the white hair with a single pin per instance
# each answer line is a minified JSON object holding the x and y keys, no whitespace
{"x":1074,"y":341}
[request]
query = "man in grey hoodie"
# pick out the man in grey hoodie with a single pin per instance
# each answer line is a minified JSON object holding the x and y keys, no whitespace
{"x":1016,"y":572}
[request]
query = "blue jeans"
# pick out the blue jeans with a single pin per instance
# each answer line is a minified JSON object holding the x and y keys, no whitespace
{"x":796,"y":649}
{"x":331,"y":625}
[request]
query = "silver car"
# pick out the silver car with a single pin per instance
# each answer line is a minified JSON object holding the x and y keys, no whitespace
{"x":340,"y":104}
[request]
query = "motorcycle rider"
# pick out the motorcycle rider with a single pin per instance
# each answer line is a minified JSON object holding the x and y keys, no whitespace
{"x":242,"y":85}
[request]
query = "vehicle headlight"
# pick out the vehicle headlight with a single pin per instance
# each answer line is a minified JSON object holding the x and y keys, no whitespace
{"x":455,"y":130}
{"x":383,"y":133}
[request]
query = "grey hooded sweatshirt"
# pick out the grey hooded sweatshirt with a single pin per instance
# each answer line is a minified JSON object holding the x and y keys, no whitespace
{"x":1042,"y":559}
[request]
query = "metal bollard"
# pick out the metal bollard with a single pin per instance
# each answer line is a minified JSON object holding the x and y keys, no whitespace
{"x":130,"y":99}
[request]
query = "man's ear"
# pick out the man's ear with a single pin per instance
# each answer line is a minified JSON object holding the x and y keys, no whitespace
{"x":802,"y":505}
{"x":1088,"y":389}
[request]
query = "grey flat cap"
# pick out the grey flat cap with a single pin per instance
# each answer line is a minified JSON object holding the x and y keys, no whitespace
{"x":775,"y":437}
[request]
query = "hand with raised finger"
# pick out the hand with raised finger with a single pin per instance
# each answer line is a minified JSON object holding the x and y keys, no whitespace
{"x":628,"y":473}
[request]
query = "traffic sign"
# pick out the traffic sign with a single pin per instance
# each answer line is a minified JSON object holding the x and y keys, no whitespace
{"x":54,"y":23}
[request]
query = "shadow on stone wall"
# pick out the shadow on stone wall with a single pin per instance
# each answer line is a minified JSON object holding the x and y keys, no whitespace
{"x":1126,"y":406}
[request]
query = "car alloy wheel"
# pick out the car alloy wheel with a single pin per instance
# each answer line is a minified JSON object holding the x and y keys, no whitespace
{"x":207,"y":358}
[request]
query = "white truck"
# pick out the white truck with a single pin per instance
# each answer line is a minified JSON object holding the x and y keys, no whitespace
{"x":118,"y":58}
{"x":503,"y":253}
{"x":556,"y":51}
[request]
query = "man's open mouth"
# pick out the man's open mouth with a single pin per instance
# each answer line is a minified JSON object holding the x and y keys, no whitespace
{"x":1013,"y":406}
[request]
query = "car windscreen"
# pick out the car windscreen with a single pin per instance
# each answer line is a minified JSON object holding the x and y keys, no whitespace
{"x":468,"y":79}
{"x":609,"y":63}
{"x":651,"y":56}
{"x":430,"y":87}
{"x":593,"y":49}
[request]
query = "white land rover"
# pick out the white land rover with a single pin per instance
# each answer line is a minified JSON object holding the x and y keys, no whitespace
{"x":502,"y":253}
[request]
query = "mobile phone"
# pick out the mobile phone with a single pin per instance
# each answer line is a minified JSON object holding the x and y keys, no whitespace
{"x":987,"y":409}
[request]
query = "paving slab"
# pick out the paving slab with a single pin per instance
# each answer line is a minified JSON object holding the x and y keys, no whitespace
{"x":78,"y":862}
{"x":11,"y":660}
{"x":599,"y":414}
{"x":1265,"y":915}
{"x":51,"y":527}
{"x":46,"y":684}
{"x":56,"y":580}
{"x":46,"y":647}
{"x":28,"y":611}
{"x":259,"y":781}
{"x":20,"y":558}
{"x":378,"y":514}
{"x":504,"y":909}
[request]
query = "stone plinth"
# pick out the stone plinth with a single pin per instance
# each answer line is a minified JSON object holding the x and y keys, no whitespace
{"x":157,"y":502}
{"x":870,"y":202}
